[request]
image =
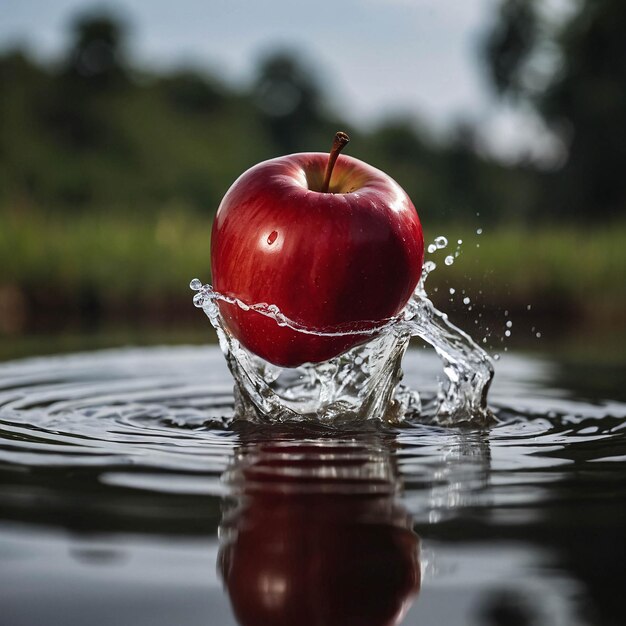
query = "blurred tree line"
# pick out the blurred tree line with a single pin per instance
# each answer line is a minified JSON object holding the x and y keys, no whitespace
{"x":93,"y":132}
{"x":573,"y":73}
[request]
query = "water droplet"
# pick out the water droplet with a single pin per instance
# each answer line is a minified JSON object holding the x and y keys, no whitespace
{"x":479,"y":231}
{"x":484,"y":339}
{"x":441,"y":242}
{"x":529,"y":307}
{"x":272,"y":237}
{"x":449,"y":260}
{"x":496,"y":357}
{"x":507,"y":333}
{"x":432,"y":248}
{"x":429,"y":266}
{"x":195,"y":284}
{"x":509,"y":324}
{"x":460,"y":241}
{"x":538,"y":335}
{"x":198,"y":300}
{"x":466,"y":300}
{"x":478,"y":245}
{"x":452,"y":291}
{"x":506,"y":313}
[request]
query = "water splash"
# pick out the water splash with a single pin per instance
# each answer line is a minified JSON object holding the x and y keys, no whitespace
{"x":439,"y":243}
{"x":365,"y":382}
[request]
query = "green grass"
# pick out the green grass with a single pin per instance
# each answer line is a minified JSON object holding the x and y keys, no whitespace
{"x":580,"y":267}
{"x":146,"y":258}
{"x":117,"y":256}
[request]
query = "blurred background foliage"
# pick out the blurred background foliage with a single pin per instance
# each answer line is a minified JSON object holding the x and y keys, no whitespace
{"x":110,"y":174}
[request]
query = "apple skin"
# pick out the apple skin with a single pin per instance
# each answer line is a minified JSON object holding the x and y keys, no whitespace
{"x":346,"y":259}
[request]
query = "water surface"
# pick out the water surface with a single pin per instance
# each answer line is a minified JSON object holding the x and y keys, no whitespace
{"x":127,"y":496}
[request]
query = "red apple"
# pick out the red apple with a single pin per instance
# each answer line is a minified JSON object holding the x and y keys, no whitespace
{"x":333,"y":242}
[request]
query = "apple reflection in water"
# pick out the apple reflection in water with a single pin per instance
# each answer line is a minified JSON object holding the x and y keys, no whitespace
{"x":317,"y":536}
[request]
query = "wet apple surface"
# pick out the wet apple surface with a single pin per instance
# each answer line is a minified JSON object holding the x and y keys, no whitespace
{"x":346,"y":259}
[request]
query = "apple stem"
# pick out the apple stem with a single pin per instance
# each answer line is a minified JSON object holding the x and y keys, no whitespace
{"x":339,"y":143}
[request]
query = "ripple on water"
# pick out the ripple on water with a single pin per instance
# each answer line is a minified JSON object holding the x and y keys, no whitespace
{"x":160,"y":420}
{"x":159,"y":409}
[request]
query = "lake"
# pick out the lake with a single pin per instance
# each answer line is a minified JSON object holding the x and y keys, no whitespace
{"x":128,"y":496}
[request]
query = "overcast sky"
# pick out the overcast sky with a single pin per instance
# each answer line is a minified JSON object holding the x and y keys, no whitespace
{"x":377,"y":57}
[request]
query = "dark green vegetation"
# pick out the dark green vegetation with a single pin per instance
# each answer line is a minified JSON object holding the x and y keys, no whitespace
{"x":109,"y":176}
{"x":107,"y":266}
{"x":93,"y":133}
